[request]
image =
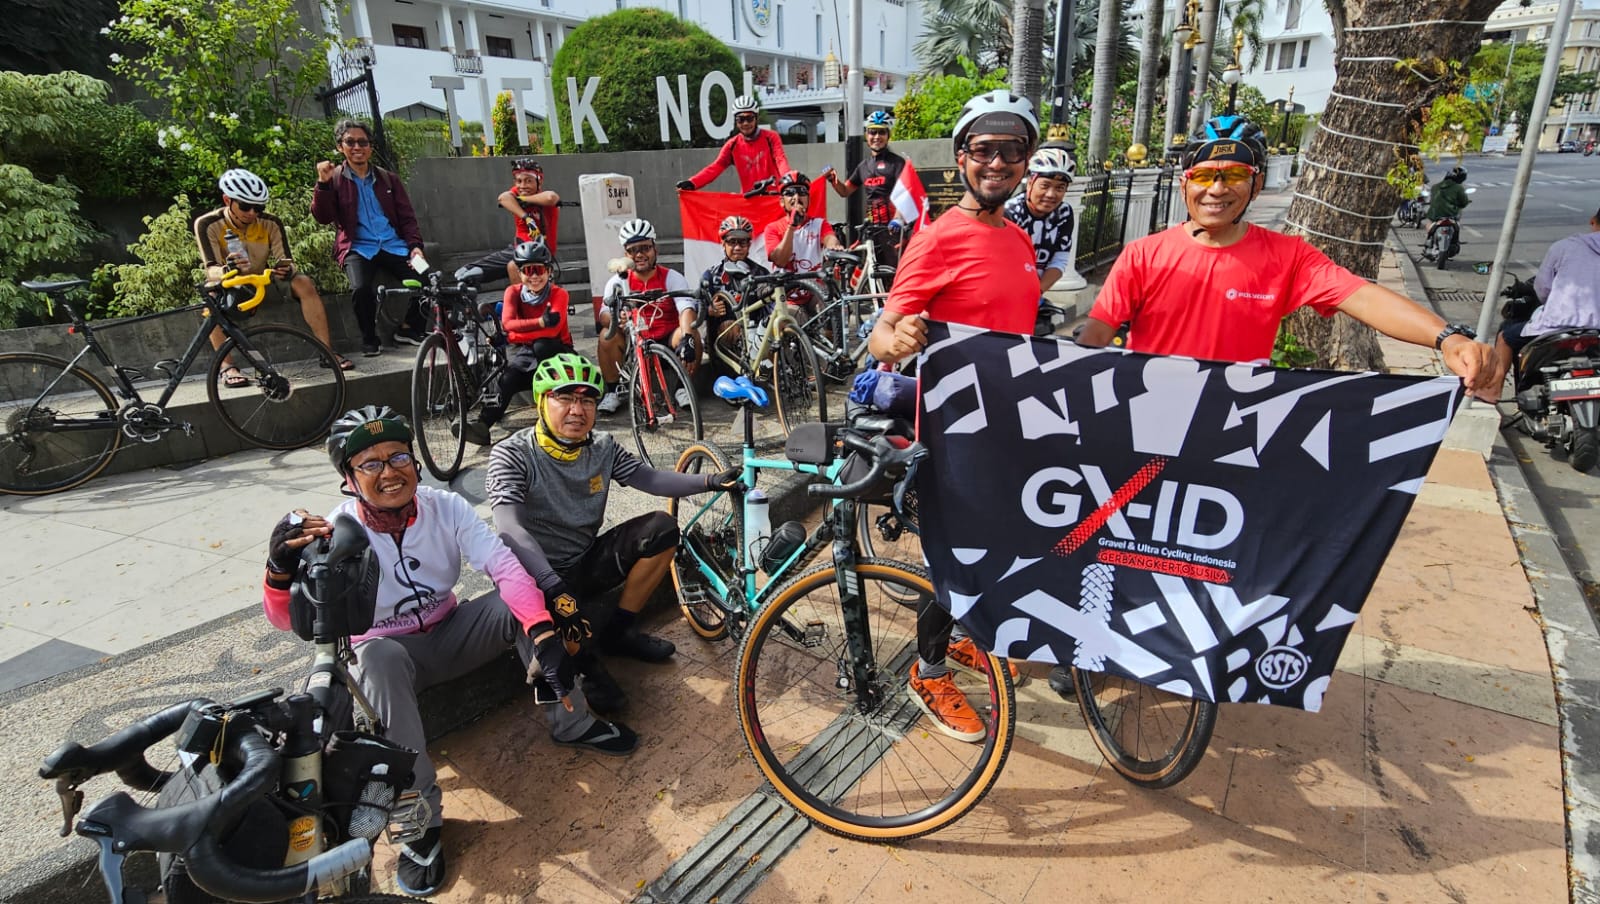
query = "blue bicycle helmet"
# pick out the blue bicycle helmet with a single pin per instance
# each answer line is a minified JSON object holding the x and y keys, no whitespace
{"x":1238,"y":128}
{"x":878,"y":119}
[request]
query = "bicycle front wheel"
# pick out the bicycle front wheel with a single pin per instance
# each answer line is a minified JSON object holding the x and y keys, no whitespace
{"x":862,"y":762}
{"x":52,"y":437}
{"x":438,"y":410}
{"x":1152,"y":737}
{"x":295,"y":388}
{"x":796,"y":384}
{"x":711,"y":538}
{"x":663,"y":406}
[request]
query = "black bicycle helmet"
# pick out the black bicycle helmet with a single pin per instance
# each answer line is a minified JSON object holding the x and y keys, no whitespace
{"x":1231,"y":126}
{"x":527,"y":165}
{"x":360,"y":428}
{"x":533,"y":253}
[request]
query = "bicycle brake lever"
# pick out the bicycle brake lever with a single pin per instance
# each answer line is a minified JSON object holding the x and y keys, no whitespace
{"x":111,"y":868}
{"x":71,"y":803}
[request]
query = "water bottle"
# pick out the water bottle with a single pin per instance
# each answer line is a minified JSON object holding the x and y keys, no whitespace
{"x":789,"y":536}
{"x":235,"y":246}
{"x":757,"y":524}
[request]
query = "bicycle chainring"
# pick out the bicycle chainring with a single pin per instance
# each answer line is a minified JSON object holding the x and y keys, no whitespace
{"x":145,"y":422}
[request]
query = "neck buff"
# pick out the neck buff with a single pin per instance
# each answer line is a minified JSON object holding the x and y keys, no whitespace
{"x":388,"y":521}
{"x":554,"y":446}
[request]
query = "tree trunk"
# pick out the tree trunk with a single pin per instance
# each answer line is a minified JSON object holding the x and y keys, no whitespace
{"x":1149,"y":63}
{"x":1177,"y":90}
{"x":1027,"y":42}
{"x":1343,"y":205}
{"x":1202,"y":62}
{"x":1103,"y":96}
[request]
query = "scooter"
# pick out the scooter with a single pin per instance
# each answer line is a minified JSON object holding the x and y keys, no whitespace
{"x":1411,"y":212}
{"x":1442,"y":242}
{"x":1558,"y":384}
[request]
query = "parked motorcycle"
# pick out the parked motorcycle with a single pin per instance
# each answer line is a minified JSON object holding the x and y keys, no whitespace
{"x":1412,"y":212}
{"x":1443,"y":241}
{"x":1557,"y":383}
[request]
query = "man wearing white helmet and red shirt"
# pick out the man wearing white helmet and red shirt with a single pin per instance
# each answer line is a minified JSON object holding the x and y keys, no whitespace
{"x":754,"y":153}
{"x":665,"y":320}
{"x":261,"y":244}
{"x":972,"y":266}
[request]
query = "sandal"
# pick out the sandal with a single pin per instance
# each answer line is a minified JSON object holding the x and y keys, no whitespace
{"x":345,"y":363}
{"x":233,"y":378}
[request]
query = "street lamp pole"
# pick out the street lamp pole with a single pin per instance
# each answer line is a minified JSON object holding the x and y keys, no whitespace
{"x":1232,"y":75}
{"x":1288,"y":108}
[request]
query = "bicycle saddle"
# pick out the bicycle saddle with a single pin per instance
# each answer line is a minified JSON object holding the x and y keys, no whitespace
{"x":59,"y":286}
{"x":740,"y":390}
{"x":848,"y":257}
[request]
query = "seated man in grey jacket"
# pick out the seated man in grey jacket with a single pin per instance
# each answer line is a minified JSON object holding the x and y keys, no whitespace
{"x":547,"y":486}
{"x":1568,"y":286}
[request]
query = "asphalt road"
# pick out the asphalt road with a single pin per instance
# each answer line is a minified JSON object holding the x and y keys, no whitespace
{"x":1563,"y":194}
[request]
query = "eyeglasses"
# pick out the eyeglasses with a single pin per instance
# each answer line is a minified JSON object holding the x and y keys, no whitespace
{"x":535,"y":270}
{"x":1230,"y":175}
{"x":249,"y":208}
{"x":636,"y":250}
{"x":399,"y":461}
{"x":356,"y":143}
{"x":570,"y":399}
{"x":796,"y":193}
{"x":881,"y":133}
{"x":737,"y":243}
{"x":1009,"y":152}
{"x":745,"y":117}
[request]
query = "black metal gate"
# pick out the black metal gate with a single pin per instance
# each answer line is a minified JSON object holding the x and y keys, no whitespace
{"x":355,"y":93}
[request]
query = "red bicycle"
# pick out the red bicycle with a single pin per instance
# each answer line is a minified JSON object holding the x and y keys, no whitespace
{"x":662,"y":402}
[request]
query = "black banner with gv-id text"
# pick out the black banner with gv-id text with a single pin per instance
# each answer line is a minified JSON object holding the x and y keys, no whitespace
{"x":1211,"y":529}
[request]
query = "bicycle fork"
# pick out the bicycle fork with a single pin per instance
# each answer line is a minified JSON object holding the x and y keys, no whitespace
{"x":856,"y":666}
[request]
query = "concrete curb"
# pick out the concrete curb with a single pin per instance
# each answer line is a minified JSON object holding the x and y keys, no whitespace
{"x":1573,"y":642}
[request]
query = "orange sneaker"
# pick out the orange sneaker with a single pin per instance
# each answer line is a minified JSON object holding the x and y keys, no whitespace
{"x":946,"y":705}
{"x":964,"y":654}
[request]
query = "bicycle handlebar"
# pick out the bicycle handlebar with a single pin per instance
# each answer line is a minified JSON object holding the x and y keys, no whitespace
{"x":233,"y":279}
{"x":617,"y":302}
{"x":883,"y":456}
{"x":122,"y":752}
{"x":760,"y":188}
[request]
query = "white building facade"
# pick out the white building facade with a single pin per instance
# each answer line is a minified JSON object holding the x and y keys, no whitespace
{"x":1296,"y":54}
{"x":782,"y":45}
{"x":1578,"y":119}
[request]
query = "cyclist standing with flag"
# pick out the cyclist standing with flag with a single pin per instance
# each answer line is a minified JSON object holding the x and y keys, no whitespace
{"x":754,"y":153}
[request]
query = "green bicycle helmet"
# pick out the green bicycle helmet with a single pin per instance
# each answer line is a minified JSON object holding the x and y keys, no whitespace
{"x":361,"y":428}
{"x":565,"y":370}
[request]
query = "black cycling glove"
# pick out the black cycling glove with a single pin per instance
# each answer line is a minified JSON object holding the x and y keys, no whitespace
{"x":570,"y":623}
{"x":725,"y":480}
{"x":686,"y":185}
{"x":281,"y":557}
{"x":550,"y":318}
{"x":687,"y":350}
{"x":551,"y":665}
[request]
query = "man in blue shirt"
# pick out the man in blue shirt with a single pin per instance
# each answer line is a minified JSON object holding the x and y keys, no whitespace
{"x":376,"y":230}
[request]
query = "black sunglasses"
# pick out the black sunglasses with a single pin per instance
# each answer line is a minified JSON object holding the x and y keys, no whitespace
{"x":1010,"y":152}
{"x":356,"y":143}
{"x":250,"y":208}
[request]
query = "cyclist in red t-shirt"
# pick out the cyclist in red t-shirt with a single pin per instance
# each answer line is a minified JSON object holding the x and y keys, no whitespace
{"x":754,"y":153}
{"x":972,"y":266}
{"x":535,"y":212}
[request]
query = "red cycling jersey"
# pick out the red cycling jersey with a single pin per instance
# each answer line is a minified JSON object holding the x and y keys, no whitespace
{"x":524,"y":323}
{"x":756,"y":158}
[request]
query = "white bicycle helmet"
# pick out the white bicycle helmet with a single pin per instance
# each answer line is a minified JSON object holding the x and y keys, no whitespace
{"x":1054,"y":163}
{"x":999,"y":110}
{"x":636,"y":231}
{"x":744,"y":103}
{"x":243,"y":185}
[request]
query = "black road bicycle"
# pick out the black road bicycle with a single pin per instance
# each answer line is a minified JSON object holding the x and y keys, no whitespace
{"x":275,"y":798}
{"x":60,"y":424}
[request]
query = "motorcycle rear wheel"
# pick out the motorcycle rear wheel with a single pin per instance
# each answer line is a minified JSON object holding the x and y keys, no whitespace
{"x":1584,"y":450}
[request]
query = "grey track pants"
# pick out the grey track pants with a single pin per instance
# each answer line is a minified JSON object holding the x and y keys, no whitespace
{"x":393,"y":670}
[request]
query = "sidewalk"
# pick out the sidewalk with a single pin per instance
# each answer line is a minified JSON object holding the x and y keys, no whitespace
{"x":1433,"y":773}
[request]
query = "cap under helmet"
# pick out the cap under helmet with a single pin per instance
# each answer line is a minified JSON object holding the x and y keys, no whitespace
{"x":566,"y":370}
{"x":1054,"y":163}
{"x":532,"y":253}
{"x":1232,"y":126}
{"x":361,"y":428}
{"x":636,"y":230}
{"x":999,"y":112}
{"x":243,"y":185}
{"x":735,"y":223}
{"x":744,"y":103}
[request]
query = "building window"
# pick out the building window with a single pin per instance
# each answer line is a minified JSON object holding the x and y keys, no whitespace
{"x":1291,"y":20}
{"x":883,"y":46}
{"x":498,"y":47}
{"x":819,"y":34}
{"x":683,"y":9}
{"x":735,"y":20}
{"x":410,"y":36}
{"x":780,"y":24}
{"x":1266,"y":63}
{"x":1305,"y":53}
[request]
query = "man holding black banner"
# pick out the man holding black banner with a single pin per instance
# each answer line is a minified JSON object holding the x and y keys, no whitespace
{"x":972,"y":266}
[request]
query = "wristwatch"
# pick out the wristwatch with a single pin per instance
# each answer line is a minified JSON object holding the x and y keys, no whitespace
{"x":1454,"y":329}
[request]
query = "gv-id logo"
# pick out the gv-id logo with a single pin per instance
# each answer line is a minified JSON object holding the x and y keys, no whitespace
{"x":1281,"y":667}
{"x":1184,"y":506}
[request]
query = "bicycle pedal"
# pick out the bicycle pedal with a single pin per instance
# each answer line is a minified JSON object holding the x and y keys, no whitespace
{"x":408,"y":820}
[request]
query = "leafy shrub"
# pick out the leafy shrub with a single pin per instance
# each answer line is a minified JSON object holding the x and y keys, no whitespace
{"x":932,"y":104}
{"x":40,"y":233}
{"x":411,"y":140}
{"x":504,"y":118}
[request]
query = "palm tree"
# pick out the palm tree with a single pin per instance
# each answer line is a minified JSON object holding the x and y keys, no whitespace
{"x":1027,"y":75}
{"x":979,"y":30}
{"x":1149,"y":70}
{"x":1203,"y":56}
{"x":1105,"y":73}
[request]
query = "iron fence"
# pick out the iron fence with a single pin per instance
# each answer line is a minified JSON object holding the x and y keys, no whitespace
{"x":354,"y":93}
{"x":1117,"y":207}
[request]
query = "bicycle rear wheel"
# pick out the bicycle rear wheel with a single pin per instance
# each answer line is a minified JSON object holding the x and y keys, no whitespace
{"x":862,"y":762}
{"x":296,"y":387}
{"x":52,"y":438}
{"x":796,"y":385}
{"x":710,"y":535}
{"x":438,"y":409}
{"x":1152,"y":737}
{"x":663,"y":406}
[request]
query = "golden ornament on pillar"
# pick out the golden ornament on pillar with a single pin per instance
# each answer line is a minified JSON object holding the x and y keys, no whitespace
{"x":1059,"y":131}
{"x":1137,"y":154}
{"x":830,"y":71}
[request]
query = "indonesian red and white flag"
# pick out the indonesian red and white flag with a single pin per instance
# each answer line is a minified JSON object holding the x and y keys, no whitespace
{"x":910,"y":201}
{"x":703,"y":211}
